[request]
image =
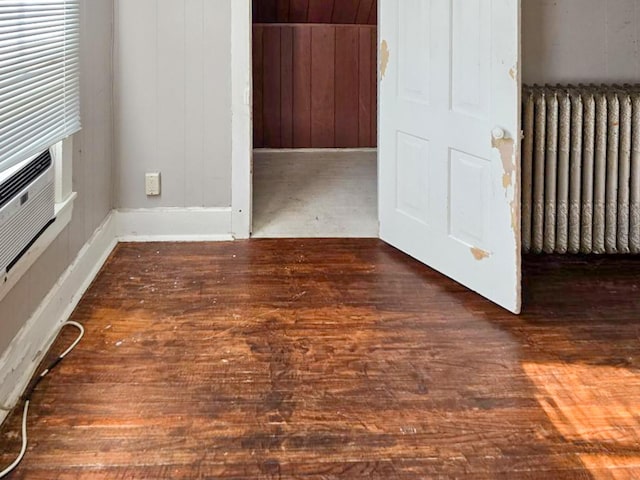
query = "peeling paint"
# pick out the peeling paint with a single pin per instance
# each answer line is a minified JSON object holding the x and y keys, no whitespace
{"x":510,"y":159}
{"x":513,"y":73}
{"x":384,"y":57}
{"x":515,"y":220}
{"x":479,"y":254}
{"x":506,"y":148}
{"x":506,"y":180}
{"x":516,"y":224}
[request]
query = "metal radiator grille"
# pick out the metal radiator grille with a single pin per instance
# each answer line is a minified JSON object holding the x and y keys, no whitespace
{"x":581,"y":169}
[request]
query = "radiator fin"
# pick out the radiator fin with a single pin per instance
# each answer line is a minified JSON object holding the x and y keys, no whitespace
{"x":581,"y":169}
{"x":634,"y":184}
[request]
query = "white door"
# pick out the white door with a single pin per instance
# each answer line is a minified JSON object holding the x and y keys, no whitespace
{"x":449,"y":136}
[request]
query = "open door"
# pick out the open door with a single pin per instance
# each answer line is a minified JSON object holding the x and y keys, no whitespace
{"x":449,"y":139}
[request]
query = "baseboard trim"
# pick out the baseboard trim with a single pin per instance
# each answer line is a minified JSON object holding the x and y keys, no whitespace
{"x":19,"y":361}
{"x":162,"y":224}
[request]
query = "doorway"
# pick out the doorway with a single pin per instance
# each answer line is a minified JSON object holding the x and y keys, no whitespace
{"x":448,"y":135}
{"x":314,"y":118}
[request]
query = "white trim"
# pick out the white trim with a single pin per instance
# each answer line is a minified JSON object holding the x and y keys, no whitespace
{"x":241,"y":111}
{"x":57,"y":158}
{"x":63,"y":214}
{"x":19,"y":361}
{"x":161,"y":224}
{"x":62,"y":154}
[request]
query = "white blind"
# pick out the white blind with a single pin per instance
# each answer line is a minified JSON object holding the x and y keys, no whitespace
{"x":39,"y":76}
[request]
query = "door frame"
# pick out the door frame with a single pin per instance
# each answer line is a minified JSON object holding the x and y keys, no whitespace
{"x":242,"y":121}
{"x":242,"y":116}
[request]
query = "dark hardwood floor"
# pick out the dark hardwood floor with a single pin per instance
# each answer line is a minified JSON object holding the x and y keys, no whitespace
{"x":324,"y":359}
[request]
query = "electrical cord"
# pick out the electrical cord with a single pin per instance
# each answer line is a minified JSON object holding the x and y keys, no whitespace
{"x":27,"y":395}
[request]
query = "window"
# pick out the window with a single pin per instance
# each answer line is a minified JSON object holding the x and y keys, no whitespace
{"x":39,"y":102}
{"x":39,"y":76}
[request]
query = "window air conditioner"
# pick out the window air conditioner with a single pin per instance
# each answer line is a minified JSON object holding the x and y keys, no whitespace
{"x":27,"y":207}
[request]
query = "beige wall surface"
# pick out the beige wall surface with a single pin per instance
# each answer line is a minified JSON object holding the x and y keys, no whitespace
{"x":581,"y":41}
{"x":173,"y":97}
{"x":92,"y":171}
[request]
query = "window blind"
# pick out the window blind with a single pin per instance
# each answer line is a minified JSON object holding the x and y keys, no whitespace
{"x":39,"y":76}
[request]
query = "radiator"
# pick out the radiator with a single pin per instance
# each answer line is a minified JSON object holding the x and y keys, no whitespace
{"x":581,"y":169}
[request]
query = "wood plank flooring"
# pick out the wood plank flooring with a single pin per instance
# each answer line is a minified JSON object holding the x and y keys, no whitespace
{"x":338,"y":359}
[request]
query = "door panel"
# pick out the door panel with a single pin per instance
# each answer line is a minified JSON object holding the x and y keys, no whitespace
{"x":414,"y":61}
{"x":471,"y":58}
{"x":413,"y":177}
{"x":470,"y":199}
{"x":449,"y":139}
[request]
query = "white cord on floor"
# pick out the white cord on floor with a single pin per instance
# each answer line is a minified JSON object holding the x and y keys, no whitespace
{"x":23,"y":450}
{"x":25,"y":411}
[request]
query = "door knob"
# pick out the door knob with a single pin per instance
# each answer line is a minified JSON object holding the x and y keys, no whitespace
{"x":498,"y":133}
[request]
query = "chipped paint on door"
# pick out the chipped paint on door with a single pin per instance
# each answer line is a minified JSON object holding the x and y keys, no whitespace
{"x":384,"y":58}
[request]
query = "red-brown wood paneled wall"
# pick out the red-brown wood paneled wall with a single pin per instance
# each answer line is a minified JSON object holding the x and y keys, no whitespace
{"x":315,"y":86}
{"x":363,"y":12}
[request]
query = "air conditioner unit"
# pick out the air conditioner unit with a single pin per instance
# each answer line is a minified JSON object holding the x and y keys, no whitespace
{"x":27,"y":207}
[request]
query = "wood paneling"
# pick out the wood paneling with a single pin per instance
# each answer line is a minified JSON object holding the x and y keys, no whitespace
{"x":363,"y":12}
{"x":258,"y":79}
{"x":272,"y":86}
{"x":338,"y":359}
{"x":347,"y":87}
{"x":301,"y":88}
{"x":345,"y":11}
{"x":323,"y":86}
{"x":298,"y":10}
{"x":373,"y":77}
{"x":314,"y":86}
{"x":320,"y":11}
{"x":283,"y":10}
{"x":366,"y":95}
{"x":286,"y":87}
{"x":366,"y":12}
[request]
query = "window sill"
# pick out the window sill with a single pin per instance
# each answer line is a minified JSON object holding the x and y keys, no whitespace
{"x":63,"y":214}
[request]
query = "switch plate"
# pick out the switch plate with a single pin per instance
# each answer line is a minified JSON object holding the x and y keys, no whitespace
{"x":152,"y":184}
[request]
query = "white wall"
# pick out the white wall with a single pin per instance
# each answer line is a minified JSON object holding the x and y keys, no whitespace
{"x":571,"y":41}
{"x":92,"y":171}
{"x":173,"y":91}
